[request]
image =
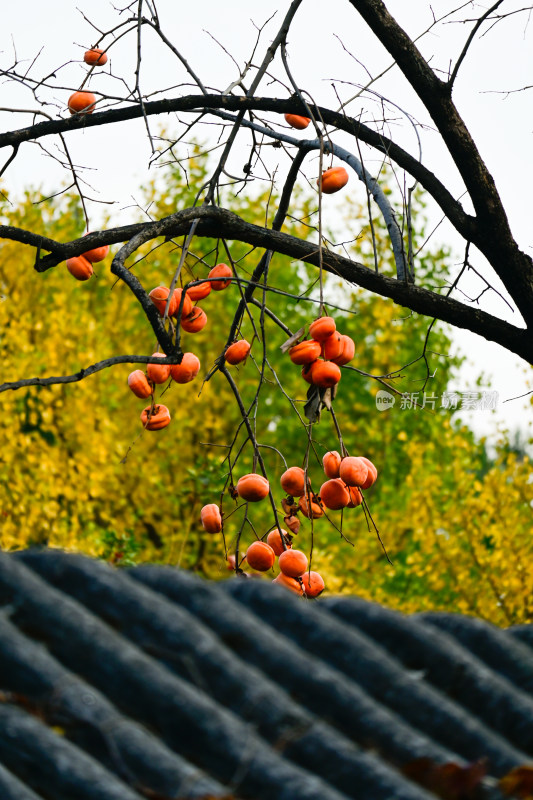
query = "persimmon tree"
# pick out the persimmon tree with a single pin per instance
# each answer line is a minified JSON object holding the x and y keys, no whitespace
{"x":266,"y":109}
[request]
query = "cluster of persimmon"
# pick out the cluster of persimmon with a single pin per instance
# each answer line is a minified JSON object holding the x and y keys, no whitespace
{"x":84,"y":102}
{"x":348,"y":477}
{"x":261,"y":555}
{"x":182,"y":306}
{"x":81,"y":267}
{"x":322,"y":356}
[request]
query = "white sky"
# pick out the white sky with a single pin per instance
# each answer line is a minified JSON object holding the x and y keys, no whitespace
{"x":117,"y":158}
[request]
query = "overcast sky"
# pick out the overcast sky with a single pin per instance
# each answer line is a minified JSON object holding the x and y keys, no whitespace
{"x":327,"y":42}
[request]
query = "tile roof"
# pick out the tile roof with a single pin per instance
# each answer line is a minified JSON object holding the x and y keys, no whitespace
{"x":150,"y":682}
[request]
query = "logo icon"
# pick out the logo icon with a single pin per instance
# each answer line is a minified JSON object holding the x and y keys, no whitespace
{"x":384,"y":400}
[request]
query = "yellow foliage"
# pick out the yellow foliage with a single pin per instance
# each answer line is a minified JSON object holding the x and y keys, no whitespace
{"x":78,"y":472}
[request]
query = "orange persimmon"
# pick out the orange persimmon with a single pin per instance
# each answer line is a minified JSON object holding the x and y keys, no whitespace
{"x":200,"y":291}
{"x":293,"y":563}
{"x":335,"y":494}
{"x":195,"y":321}
{"x":237,"y":352}
{"x":252,"y":487}
{"x":372,"y":473}
{"x":333,"y":179}
{"x":153,"y":419}
{"x":220,"y":271}
{"x":274,"y":539}
{"x":289,"y":583}
{"x":313,"y":583}
{"x":139,"y":385}
{"x":293,"y":481}
{"x":353,"y":471}
{"x":331,"y":462}
{"x":356,"y":498}
{"x":211,"y":518}
{"x":187,"y":370}
{"x":347,"y":353}
{"x":159,"y":297}
{"x":322,"y":328}
{"x":325,"y":374}
{"x":95,"y":57}
{"x":158,"y":373}
{"x":305,"y":352}
{"x":295,"y":121}
{"x":81,"y":103}
{"x":260,"y":556}
{"x":187,"y":304}
{"x":333,"y":346}
{"x":80,"y":268}
{"x":97,"y":253}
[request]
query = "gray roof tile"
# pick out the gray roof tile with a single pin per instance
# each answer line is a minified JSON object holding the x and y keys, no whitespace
{"x":151,"y":682}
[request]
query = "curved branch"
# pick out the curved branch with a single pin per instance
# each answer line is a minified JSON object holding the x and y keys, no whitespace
{"x":217,"y":222}
{"x":349,"y":158}
{"x":464,"y":223}
{"x":86,"y":371}
{"x":468,"y":42}
{"x":493,"y":235}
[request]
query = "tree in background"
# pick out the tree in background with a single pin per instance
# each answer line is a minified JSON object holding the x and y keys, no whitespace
{"x":217,"y":220}
{"x":98,"y":487}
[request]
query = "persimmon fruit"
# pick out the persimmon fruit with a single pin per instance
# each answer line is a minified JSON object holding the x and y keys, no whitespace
{"x":276,"y":539}
{"x":333,"y":346}
{"x":153,"y":419}
{"x":293,"y":481}
{"x":211,"y":518}
{"x":96,"y":254}
{"x":333,"y":180}
{"x":306,"y":372}
{"x":356,"y":498}
{"x":159,"y":297}
{"x":195,"y":321}
{"x":187,"y":306}
{"x":295,"y":121}
{"x":187,"y":370}
{"x":335,"y":494}
{"x":322,"y":328}
{"x":293,"y":584}
{"x":353,"y":471}
{"x":347,"y":352}
{"x":289,"y":583}
{"x":292,"y":563}
{"x":325,"y":374}
{"x":313,"y":583}
{"x":372,"y":473}
{"x":237,"y":352}
{"x":81,"y":103}
{"x":260,"y":556}
{"x":305,"y":352}
{"x":80,"y":268}
{"x":158,"y":373}
{"x":331,"y":462}
{"x":139,"y":385}
{"x":199,"y":292}
{"x":253,"y":487}
{"x":220,"y":271}
{"x":95,"y":57}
